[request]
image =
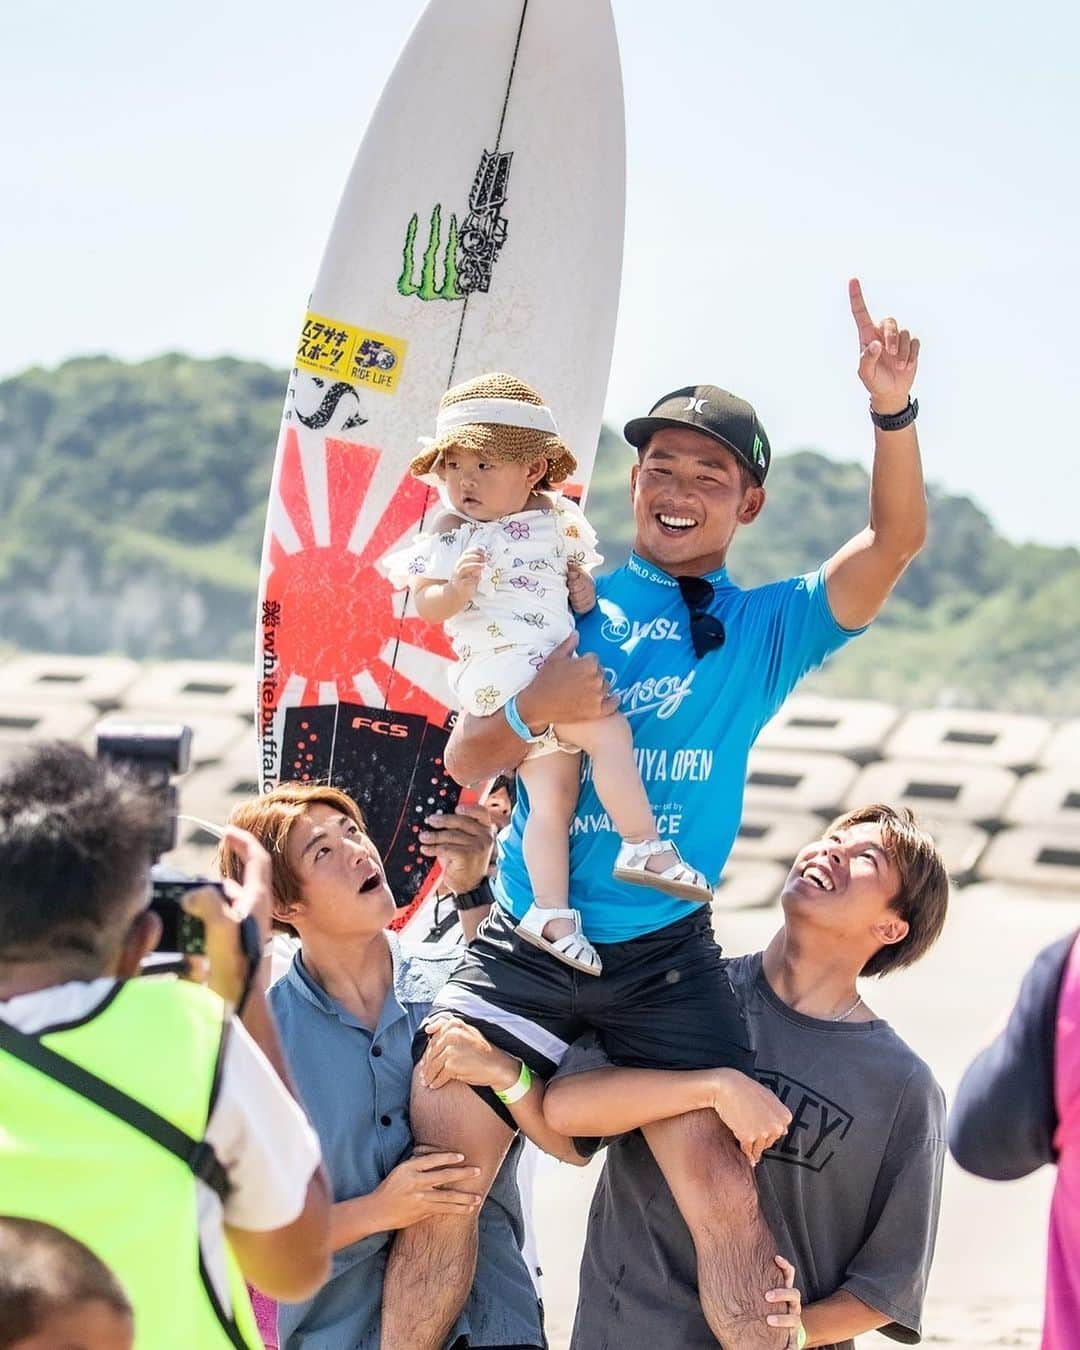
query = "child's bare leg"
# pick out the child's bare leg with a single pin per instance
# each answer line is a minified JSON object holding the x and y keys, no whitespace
{"x":609,"y":743}
{"x":552,"y":782}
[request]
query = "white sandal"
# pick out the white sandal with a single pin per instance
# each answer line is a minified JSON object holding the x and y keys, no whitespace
{"x":678,"y":879}
{"x":574,"y":949}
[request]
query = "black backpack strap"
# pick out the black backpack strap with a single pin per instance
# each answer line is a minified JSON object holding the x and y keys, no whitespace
{"x":196,"y":1154}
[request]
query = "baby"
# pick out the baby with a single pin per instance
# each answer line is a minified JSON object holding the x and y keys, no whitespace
{"x":500,"y":570}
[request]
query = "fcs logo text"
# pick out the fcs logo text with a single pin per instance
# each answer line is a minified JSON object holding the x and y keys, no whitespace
{"x":379,"y":727}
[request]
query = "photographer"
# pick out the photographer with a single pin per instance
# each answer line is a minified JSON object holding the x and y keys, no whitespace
{"x":138,"y":1114}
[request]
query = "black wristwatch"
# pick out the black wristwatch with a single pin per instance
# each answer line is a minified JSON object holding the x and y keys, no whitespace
{"x":896,"y":421}
{"x":474,"y":899}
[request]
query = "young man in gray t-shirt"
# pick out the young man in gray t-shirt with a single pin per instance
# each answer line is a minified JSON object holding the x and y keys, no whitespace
{"x":853,"y":1188}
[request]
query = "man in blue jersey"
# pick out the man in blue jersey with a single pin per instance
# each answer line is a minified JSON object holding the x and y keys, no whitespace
{"x":699,"y":666}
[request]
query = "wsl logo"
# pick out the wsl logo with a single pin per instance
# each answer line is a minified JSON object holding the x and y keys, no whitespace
{"x":627,"y":633}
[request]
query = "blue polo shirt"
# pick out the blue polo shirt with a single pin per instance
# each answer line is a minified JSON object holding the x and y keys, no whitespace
{"x":354,"y":1084}
{"x":693,"y":720}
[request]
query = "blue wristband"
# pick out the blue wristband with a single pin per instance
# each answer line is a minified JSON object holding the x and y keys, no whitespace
{"x":514,"y":722}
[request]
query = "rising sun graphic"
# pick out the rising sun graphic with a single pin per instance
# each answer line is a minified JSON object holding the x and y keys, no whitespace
{"x":339,"y":629}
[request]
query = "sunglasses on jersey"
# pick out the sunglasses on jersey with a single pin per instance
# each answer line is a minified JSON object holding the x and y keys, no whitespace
{"x":706,"y":630}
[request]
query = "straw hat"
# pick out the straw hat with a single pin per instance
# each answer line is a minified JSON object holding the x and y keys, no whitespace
{"x":501,"y":417}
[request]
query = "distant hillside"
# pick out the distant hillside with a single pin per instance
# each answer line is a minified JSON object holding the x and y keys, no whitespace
{"x":131,"y":511}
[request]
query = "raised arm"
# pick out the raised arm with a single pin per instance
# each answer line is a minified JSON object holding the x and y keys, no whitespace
{"x":860,"y":575}
{"x":566,"y":689}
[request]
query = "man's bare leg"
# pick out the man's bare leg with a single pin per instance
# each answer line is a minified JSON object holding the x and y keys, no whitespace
{"x":713,"y":1186}
{"x":432,"y":1264}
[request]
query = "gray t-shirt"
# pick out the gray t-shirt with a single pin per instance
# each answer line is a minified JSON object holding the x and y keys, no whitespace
{"x":856,"y":1182}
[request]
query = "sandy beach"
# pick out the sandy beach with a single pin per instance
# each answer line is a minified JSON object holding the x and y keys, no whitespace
{"x":986,"y":1288}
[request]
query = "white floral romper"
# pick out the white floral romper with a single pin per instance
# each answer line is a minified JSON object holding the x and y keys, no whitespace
{"x":521,"y":609}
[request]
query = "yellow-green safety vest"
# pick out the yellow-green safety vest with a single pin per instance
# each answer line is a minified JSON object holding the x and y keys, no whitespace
{"x":66,"y":1161}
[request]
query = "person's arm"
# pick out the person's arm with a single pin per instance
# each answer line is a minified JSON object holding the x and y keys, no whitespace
{"x":438,"y":600}
{"x":565,"y":689}
{"x":463,"y":842}
{"x":227,"y":964}
{"x":612,"y":1101}
{"x":1004,"y":1116}
{"x":840,"y":1317}
{"x":292,"y":1262}
{"x":459,"y":1053}
{"x":287,"y":1261}
{"x":860,"y":575}
{"x":423,"y":1187}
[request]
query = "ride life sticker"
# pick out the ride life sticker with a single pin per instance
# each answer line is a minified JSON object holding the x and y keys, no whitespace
{"x":329,"y":347}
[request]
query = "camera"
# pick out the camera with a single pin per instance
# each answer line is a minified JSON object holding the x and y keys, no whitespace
{"x":157,"y":752}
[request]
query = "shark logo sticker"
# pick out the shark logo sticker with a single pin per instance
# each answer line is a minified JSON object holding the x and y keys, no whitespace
{"x":454,"y":267}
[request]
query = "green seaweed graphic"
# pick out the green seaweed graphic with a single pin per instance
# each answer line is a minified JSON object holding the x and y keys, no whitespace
{"x":427,"y":289}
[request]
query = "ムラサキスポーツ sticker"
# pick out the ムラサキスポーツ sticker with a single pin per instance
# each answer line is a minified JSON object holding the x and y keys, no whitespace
{"x":358,"y":355}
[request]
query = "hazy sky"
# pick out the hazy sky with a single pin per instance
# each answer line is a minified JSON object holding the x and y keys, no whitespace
{"x":171,"y":171}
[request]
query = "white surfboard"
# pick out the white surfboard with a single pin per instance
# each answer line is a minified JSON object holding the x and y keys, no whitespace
{"x":481,"y":229}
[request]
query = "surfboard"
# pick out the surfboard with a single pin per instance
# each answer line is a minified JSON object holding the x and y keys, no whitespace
{"x":480,"y":229}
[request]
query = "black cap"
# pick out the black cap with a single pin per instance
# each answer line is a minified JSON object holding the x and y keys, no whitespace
{"x":714,"y":412}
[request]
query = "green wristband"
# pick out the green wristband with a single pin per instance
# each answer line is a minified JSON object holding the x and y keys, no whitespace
{"x":800,"y":1340}
{"x":517,"y":1090}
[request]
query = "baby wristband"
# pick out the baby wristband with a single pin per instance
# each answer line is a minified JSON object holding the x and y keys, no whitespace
{"x":516,"y":1091}
{"x":515,"y":723}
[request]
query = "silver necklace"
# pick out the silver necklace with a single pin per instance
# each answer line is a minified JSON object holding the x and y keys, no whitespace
{"x":845,"y":1015}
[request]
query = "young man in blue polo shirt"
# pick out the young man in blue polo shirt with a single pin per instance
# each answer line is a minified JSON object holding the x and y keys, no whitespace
{"x":699,"y":666}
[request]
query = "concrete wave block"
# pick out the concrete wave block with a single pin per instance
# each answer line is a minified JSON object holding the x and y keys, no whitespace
{"x":856,"y":728}
{"x":197,"y":860}
{"x":1063,"y":747}
{"x":1050,"y":798}
{"x":749,"y":885}
{"x":961,"y":846}
{"x":774,"y":836}
{"x":1033,"y":857}
{"x":213,"y":736}
{"x":23,"y":724}
{"x":211,"y":794}
{"x":936,"y":791}
{"x":791,"y":780}
{"x":963,"y":736}
{"x":100,"y":680}
{"x":223,"y":687}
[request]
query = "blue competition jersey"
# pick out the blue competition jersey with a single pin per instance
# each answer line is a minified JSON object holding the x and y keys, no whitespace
{"x":694,"y":722}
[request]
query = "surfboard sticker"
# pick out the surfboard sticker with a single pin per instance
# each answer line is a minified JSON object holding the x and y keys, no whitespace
{"x":329,"y":347}
{"x":477,"y":232}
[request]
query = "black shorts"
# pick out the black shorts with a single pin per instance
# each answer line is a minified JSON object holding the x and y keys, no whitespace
{"x":664,"y":1000}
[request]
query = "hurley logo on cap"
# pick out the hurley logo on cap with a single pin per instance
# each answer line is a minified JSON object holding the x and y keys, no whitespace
{"x":713,"y":412}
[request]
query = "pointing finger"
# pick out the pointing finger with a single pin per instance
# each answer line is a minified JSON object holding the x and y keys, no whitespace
{"x":863,"y":321}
